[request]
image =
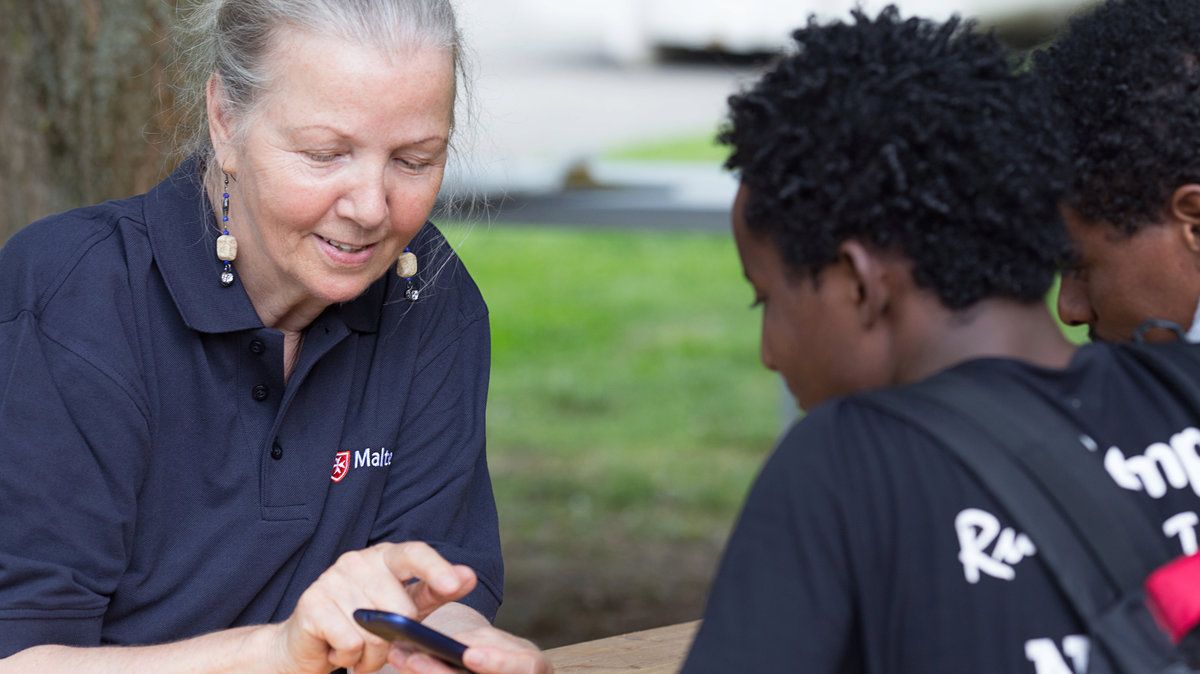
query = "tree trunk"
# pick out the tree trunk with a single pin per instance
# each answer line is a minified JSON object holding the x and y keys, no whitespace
{"x":84,"y":103}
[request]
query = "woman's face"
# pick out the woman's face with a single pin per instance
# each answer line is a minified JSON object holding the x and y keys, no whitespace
{"x":337,"y":166}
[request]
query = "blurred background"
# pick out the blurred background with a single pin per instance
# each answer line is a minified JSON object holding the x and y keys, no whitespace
{"x":628,"y":411}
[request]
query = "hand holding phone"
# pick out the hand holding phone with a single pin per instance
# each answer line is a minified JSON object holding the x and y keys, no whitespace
{"x":412,"y":634}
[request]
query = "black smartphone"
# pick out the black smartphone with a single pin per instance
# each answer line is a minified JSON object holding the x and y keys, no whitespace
{"x":412,"y":633}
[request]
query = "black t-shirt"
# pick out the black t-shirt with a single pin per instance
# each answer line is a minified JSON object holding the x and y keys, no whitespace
{"x":866,"y":547}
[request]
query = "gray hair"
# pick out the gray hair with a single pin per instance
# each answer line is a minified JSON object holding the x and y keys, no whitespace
{"x":232,"y":39}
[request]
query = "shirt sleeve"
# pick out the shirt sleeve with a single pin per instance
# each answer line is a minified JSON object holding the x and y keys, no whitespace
{"x":455,"y":510}
{"x":72,"y":454}
{"x":782,"y":598}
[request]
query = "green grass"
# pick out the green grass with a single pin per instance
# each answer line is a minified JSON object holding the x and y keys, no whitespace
{"x":1077,"y":334}
{"x":699,"y":148}
{"x":626,"y":391}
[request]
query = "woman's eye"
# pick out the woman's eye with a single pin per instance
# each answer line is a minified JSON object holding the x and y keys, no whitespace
{"x":322,"y":157}
{"x":412,"y":165}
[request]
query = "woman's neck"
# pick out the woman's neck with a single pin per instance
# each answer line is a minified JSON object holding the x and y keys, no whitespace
{"x":290,"y":313}
{"x":278,"y":303}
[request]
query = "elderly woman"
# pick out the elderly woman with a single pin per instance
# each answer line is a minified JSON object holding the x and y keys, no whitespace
{"x":223,"y":414}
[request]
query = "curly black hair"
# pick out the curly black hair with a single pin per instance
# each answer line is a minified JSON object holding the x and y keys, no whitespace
{"x":1126,"y":76}
{"x":906,"y":135}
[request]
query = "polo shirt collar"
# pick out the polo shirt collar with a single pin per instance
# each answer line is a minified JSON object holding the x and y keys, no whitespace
{"x":183,"y":235}
{"x":361,"y":314}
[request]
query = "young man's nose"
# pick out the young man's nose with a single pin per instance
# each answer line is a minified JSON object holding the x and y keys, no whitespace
{"x":1074,"y":307}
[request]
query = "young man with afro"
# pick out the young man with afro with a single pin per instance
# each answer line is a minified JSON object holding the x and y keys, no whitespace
{"x":897,"y":220}
{"x":1127,"y":77}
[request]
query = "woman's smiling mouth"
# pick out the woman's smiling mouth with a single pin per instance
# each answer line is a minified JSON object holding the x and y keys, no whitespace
{"x":345,"y":254}
{"x":344,"y":247}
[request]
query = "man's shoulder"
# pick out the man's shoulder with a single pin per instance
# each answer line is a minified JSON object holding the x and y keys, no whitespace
{"x":842,"y":436}
{"x":851,"y":423}
{"x":850,"y":452}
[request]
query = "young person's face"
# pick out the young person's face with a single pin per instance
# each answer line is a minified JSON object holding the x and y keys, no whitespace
{"x":811,"y":331}
{"x":1118,"y":281}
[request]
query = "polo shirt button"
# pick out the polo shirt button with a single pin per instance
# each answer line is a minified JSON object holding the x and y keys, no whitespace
{"x":277,"y":452}
{"x":260,"y":392}
{"x":256,"y":346}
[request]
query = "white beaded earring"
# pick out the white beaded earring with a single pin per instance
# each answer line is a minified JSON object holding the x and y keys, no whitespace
{"x":226,"y":244}
{"x":406,"y":268}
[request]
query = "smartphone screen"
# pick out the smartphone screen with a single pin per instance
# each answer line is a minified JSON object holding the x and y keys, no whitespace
{"x":412,"y":633}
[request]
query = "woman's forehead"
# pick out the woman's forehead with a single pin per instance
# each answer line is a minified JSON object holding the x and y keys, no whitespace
{"x":331,"y":59}
{"x":325,"y":81}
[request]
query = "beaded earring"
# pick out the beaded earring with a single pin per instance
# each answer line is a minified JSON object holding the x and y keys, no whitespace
{"x":406,"y":268}
{"x":226,"y":244}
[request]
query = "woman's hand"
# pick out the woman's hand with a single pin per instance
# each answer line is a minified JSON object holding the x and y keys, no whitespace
{"x":490,"y":651}
{"x":410,"y":579}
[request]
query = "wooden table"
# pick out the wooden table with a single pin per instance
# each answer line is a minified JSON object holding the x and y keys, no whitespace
{"x":656,"y":651}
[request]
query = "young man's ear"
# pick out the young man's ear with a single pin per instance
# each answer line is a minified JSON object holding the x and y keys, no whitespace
{"x":867,"y":273}
{"x":1184,"y":210}
{"x":220,"y":126}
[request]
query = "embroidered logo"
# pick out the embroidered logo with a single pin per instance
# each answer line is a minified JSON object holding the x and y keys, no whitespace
{"x":364,"y":458}
{"x":341,"y":466}
{"x":373,"y":458}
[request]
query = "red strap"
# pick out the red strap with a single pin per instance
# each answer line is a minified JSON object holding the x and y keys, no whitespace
{"x":1173,"y":591}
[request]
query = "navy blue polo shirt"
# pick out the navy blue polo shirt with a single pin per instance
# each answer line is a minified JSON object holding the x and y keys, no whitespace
{"x":159,"y":479}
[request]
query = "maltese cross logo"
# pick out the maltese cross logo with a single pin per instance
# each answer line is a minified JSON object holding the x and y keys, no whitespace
{"x":341,"y":466}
